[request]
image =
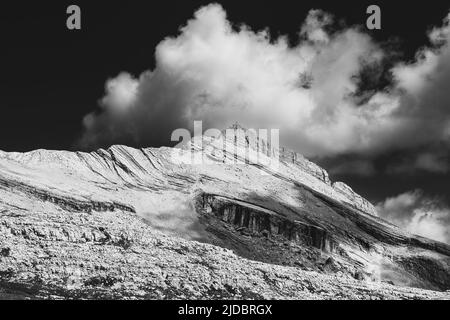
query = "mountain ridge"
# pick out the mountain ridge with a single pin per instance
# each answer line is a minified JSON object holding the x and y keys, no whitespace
{"x":286,"y":218}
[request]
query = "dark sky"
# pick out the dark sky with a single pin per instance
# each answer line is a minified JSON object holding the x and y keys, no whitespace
{"x":51,"y":77}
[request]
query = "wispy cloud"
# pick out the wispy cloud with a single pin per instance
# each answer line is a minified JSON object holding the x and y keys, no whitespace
{"x":354,"y":167}
{"x":433,"y":162}
{"x":418,"y":214}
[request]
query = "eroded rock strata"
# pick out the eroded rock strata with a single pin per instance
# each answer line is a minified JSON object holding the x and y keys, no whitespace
{"x":138,"y":223}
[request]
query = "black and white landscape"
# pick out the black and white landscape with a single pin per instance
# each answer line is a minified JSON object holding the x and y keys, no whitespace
{"x":326,"y":176}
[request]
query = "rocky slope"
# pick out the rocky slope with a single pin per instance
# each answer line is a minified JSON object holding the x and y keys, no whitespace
{"x":145,"y":223}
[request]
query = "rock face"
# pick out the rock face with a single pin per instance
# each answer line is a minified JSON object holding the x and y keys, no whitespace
{"x":144,"y":223}
{"x":355,"y":199}
{"x":304,"y":164}
{"x":258,"y":220}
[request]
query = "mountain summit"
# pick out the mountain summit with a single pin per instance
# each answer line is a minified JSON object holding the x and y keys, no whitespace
{"x":138,"y":223}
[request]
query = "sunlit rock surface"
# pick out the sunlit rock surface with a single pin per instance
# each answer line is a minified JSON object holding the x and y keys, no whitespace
{"x":146,"y":223}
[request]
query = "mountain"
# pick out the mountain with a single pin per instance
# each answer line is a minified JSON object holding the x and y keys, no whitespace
{"x":156,"y":224}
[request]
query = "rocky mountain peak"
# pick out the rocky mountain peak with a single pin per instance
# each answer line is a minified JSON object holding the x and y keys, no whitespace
{"x":71,"y":221}
{"x":237,"y":142}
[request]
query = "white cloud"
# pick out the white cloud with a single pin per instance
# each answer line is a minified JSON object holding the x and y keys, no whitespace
{"x":121,"y":93}
{"x":418,"y":214}
{"x":313,"y":30}
{"x":220,"y":75}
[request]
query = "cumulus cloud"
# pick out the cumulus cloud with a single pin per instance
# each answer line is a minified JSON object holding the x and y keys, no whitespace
{"x":220,"y":74}
{"x":418,"y":214}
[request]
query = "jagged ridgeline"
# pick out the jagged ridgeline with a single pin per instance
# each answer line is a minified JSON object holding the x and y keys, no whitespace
{"x":140,"y":223}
